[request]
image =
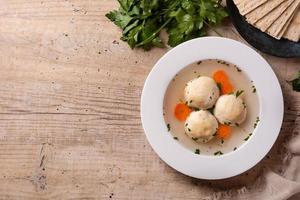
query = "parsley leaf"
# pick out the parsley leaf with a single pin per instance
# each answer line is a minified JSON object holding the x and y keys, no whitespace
{"x":239,"y":93}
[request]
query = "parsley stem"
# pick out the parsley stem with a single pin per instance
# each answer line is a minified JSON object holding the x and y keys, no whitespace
{"x":213,"y":29}
{"x":149,"y":39}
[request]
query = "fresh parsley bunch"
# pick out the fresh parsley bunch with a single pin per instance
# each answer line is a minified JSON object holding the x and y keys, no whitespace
{"x":142,"y":20}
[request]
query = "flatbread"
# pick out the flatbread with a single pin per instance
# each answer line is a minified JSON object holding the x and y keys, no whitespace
{"x":285,"y":27}
{"x":264,"y":23}
{"x":278,"y":25}
{"x":238,"y":1}
{"x":293,"y":30}
{"x":247,"y":6}
{"x":262,"y":10}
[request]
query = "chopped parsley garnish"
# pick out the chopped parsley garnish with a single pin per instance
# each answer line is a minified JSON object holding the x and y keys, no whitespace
{"x":235,"y":148}
{"x":236,"y":124}
{"x":223,"y":62}
{"x":253,"y":89}
{"x":227,"y":123}
{"x":247,"y":138}
{"x":238,"y":93}
{"x":219,"y":86}
{"x":222,"y":141}
{"x":244,"y":105}
{"x":218,"y":153}
{"x":214,"y":134}
{"x":175,"y":138}
{"x":191,"y":101}
{"x":197,"y":151}
{"x":195,"y":139}
{"x":256,"y":122}
{"x":168,"y":127}
{"x":186,"y":124}
{"x":189,"y":130}
{"x":199,"y":62}
{"x":238,"y":69}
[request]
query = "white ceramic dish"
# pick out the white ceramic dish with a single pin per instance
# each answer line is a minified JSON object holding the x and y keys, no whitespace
{"x":202,"y":166}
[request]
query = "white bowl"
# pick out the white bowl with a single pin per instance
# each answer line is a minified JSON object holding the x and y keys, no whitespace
{"x":202,"y":166}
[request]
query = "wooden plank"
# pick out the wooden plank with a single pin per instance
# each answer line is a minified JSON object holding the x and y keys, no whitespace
{"x":69,"y":109}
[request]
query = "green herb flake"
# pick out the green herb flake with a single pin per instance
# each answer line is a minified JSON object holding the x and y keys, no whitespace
{"x":239,"y":93}
{"x":235,"y":148}
{"x":247,"y":138}
{"x":219,"y":86}
{"x":237,"y":68}
{"x":175,"y":138}
{"x":244,"y":105}
{"x":218,"y":153}
{"x":256,"y":122}
{"x":253,"y":89}
{"x":195,"y":139}
{"x":227,"y":123}
{"x":191,"y":101}
{"x":197,"y":151}
{"x":222,"y":141}
{"x":189,"y":130}
{"x":214,"y":134}
{"x":168,"y":127}
{"x":236,"y":124}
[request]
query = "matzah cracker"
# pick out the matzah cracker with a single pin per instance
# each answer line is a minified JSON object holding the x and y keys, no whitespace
{"x":277,"y":26}
{"x":247,"y":6}
{"x":264,"y":23}
{"x":262,"y":10}
{"x":285,"y":27}
{"x":293,"y":31}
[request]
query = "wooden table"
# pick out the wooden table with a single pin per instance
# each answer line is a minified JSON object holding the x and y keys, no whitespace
{"x":69,"y":109}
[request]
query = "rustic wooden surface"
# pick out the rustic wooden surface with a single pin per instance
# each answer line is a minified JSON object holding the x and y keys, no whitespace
{"x":69,"y":109}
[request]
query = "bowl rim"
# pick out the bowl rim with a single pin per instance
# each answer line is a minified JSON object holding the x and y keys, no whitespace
{"x":229,"y":164}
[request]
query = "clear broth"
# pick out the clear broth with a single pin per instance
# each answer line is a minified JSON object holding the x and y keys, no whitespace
{"x":240,"y":81}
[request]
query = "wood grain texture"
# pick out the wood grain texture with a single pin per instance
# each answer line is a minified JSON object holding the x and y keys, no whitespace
{"x":69,"y":109}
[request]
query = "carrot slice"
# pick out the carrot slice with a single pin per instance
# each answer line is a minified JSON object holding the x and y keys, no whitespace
{"x":222,"y":79}
{"x":224,"y":131}
{"x":182,"y":111}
